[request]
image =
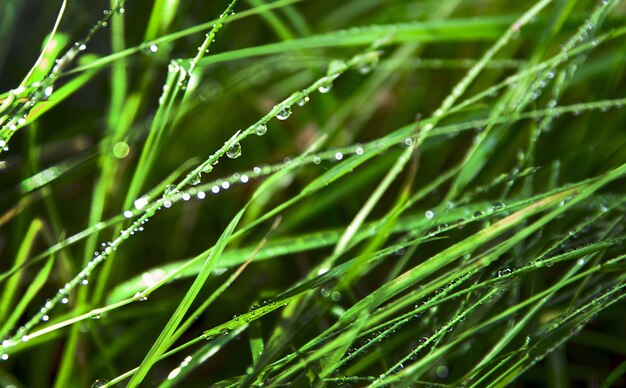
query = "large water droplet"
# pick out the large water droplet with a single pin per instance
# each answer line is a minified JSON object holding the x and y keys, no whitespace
{"x":140,"y":203}
{"x":99,"y":383}
{"x":260,"y":130}
{"x":429,"y":214}
{"x":284,"y":113}
{"x":234,"y":152}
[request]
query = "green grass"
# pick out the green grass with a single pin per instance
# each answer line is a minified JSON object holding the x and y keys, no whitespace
{"x":312,"y":193}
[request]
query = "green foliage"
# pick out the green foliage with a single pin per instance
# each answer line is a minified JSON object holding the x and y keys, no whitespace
{"x":292,"y":192}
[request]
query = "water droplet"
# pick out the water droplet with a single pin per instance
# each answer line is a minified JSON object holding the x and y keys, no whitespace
{"x":45,"y":318}
{"x":48,"y":91}
{"x":408,"y":141}
{"x":4,"y":357}
{"x":497,"y":206}
{"x":359,"y":150}
{"x":284,"y":113}
{"x":225,"y":185}
{"x":244,"y":179}
{"x":99,"y":383}
{"x":429,"y":214}
{"x":234,"y":152}
{"x":140,"y":297}
{"x":215,"y":189}
{"x":325,"y":88}
{"x":303,"y":101}
{"x":260,"y":130}
{"x":365,"y":68}
{"x":317,"y":160}
{"x":338,"y":156}
{"x":154,"y":48}
{"x":139,"y":203}
{"x":201,"y":195}
{"x":128,"y":214}
{"x":196,"y":180}
{"x":504,"y":272}
{"x":169,"y":190}
{"x":64,"y":300}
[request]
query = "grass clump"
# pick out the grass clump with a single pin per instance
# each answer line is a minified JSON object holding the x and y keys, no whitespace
{"x":363,"y":193}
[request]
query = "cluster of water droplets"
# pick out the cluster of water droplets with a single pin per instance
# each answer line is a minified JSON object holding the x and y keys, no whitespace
{"x":143,"y":207}
{"x":171,"y":193}
{"x":43,"y":89}
{"x":469,"y":215}
{"x":584,"y":33}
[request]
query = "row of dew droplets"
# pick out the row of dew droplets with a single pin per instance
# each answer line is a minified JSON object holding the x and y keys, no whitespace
{"x":577,"y":39}
{"x":171,"y":194}
{"x":431,"y":305}
{"x":425,"y":341}
{"x":284,"y":110}
{"x":430,"y":215}
{"x":44,"y":89}
{"x":281,"y":111}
